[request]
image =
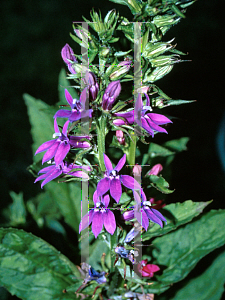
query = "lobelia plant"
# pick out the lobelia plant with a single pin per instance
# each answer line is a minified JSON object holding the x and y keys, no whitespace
{"x":108,"y":161}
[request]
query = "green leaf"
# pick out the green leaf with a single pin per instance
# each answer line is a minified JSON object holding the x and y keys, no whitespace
{"x":17,"y":210}
{"x":176,"y":215}
{"x":176,"y":102}
{"x":65,"y":84}
{"x":205,"y":286}
{"x":41,"y":119}
{"x":175,"y":9}
{"x":67,"y":196}
{"x":160,"y":184}
{"x":32,"y":269}
{"x":181,"y":250}
{"x":178,"y":145}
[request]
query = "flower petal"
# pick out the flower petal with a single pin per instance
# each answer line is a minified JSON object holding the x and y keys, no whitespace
{"x":108,"y":163}
{"x":61,"y":152}
{"x":83,"y":97}
{"x":121,"y":163}
{"x":155,"y":127}
{"x":137,"y":198}
{"x":103,"y":186}
{"x":97,"y":223}
{"x":56,"y":127}
{"x":109,"y":221}
{"x":105,"y":199}
{"x":95,"y":197}
{"x":47,"y":169}
{"x":65,"y":127}
{"x":146,"y":126}
{"x":159,"y":119}
{"x":69,"y":98}
{"x":51,"y":176}
{"x":129,"y":182}
{"x":152,"y":216}
{"x":115,"y":189}
{"x":80,"y":174}
{"x":142,"y":218}
{"x":62,"y":113}
{"x":158,"y":214}
{"x":75,"y":116}
{"x":50,"y":152}
{"x":147,"y":100}
{"x":45,"y":146}
{"x":43,"y":176}
{"x":138,"y":104}
{"x":86,"y":220}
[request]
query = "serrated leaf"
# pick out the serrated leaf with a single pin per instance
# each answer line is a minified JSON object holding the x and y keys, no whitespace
{"x":205,"y":286}
{"x":160,"y":184}
{"x":32,"y":269}
{"x":176,"y":215}
{"x":192,"y":242}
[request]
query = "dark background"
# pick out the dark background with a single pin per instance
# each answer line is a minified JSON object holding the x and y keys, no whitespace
{"x":32,"y":35}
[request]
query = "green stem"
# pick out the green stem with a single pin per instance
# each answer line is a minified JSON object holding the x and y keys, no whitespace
{"x":132,"y":149}
{"x":101,"y":129}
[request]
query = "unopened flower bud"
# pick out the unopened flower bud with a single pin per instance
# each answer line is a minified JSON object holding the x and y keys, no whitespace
{"x":68,"y":57}
{"x":143,"y":90}
{"x":120,"y":137}
{"x":111,"y":93}
{"x":155,"y":170}
{"x":92,"y":83}
{"x":120,"y":70}
{"x":104,"y":52}
{"x":137,"y":170}
{"x":127,"y":215}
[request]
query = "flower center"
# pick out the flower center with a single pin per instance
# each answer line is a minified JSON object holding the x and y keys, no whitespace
{"x":113,"y":174}
{"x":76,"y":105}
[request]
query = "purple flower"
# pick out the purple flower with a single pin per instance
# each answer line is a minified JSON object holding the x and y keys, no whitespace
{"x":92,"y":83}
{"x":54,"y":171}
{"x":59,"y":147}
{"x":143,"y":212}
{"x":90,"y":274}
{"x":99,"y":216}
{"x":68,"y":56}
{"x":113,"y":180}
{"x":111,"y":93}
{"x":77,"y":108}
{"x":148,"y":121}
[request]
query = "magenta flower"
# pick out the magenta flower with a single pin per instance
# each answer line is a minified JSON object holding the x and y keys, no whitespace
{"x":69,"y":57}
{"x":77,"y":108}
{"x":147,"y":270}
{"x":54,"y":171}
{"x":59,"y":147}
{"x":120,"y":137}
{"x":143,"y":212}
{"x":111,"y":93}
{"x":148,"y":121}
{"x":99,"y":216}
{"x":113,"y":180}
{"x":155,"y":170}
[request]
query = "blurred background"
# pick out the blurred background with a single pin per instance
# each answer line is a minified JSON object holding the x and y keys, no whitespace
{"x":32,"y":35}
